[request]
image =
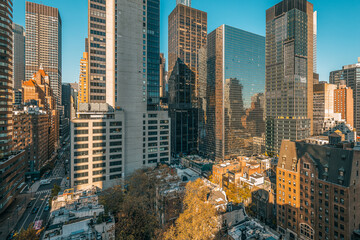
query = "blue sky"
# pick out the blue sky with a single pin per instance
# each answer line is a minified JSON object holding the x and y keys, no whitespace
{"x":338,"y":29}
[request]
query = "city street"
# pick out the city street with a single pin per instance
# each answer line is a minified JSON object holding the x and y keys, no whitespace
{"x":40,"y":199}
{"x":39,"y":195}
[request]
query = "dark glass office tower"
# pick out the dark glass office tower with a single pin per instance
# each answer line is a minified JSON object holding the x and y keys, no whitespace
{"x":153,"y":52}
{"x":231,"y":90}
{"x":289,"y":72}
{"x":187,"y":34}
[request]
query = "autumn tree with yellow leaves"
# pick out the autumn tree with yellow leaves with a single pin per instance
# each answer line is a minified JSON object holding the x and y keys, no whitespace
{"x":199,"y":220}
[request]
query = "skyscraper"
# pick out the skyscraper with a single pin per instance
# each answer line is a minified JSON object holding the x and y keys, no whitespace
{"x":187,"y":34}
{"x":12,"y":162}
{"x":43,"y":44}
{"x":97,"y":49}
{"x":315,"y":41}
{"x":344,"y":103}
{"x":350,"y":75}
{"x":231,"y":90}
{"x":131,"y":132}
{"x":162,"y":76}
{"x":289,"y":72}
{"x":184,"y":2}
{"x":84,"y":88}
{"x":19,"y":56}
{"x":324,"y":106}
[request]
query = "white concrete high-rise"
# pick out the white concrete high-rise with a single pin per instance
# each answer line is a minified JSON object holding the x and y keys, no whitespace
{"x":131,"y":42}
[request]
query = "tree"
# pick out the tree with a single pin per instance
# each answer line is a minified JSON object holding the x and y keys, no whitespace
{"x":29,"y":233}
{"x":238,"y":195}
{"x":134,"y":204}
{"x":112,"y":199}
{"x":199,"y":219}
{"x":54,"y":192}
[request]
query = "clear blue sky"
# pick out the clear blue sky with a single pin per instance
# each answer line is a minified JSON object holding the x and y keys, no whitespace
{"x":338,"y":27}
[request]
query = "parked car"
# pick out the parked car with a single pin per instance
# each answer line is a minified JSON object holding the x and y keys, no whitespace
{"x":35,"y":210}
{"x":47,"y":208}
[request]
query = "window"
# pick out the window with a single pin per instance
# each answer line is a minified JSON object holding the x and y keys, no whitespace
{"x":80,"y":182}
{"x":81,"y":160}
{"x":99,"y":172}
{"x":115,"y":150}
{"x":83,"y":153}
{"x":99,"y":165}
{"x":99,"y":179}
{"x":101,"y":144}
{"x":76,"y":132}
{"x":116,"y":163}
{"x":81,"y":139}
{"x":96,"y":138}
{"x":78,"y":146}
{"x":119,"y":143}
{"x":97,"y":131}
{"x":115,"y":130}
{"x":113,"y":157}
{"x":115,"y":124}
{"x":101,"y":158}
{"x":78,"y":168}
{"x":99,"y":124}
{"x":81,"y":125}
{"x":112,"y":170}
{"x":100,"y":151}
{"x":115,"y":176}
{"x":79,"y":175}
{"x":112,"y":137}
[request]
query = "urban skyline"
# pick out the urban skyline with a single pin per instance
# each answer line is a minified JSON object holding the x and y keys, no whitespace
{"x":234,"y":13}
{"x":226,"y":133}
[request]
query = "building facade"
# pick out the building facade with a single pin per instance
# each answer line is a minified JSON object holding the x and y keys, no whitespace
{"x":350,"y":75}
{"x":324,"y":109}
{"x":12,"y":161}
{"x":187,"y":34}
{"x":43,"y":44}
{"x":163,"y":75}
{"x":317,"y":186}
{"x":289,"y":72}
{"x":344,"y":104}
{"x":132,"y":77}
{"x":232,"y":85}
{"x":97,"y":48}
{"x":18,"y":56}
{"x":40,"y":104}
{"x":84,"y":88}
{"x":184,"y":2}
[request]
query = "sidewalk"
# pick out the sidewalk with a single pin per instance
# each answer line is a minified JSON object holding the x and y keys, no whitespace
{"x":12,"y":214}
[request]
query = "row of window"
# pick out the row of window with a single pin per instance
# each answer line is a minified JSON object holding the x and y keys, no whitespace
{"x":97,"y":179}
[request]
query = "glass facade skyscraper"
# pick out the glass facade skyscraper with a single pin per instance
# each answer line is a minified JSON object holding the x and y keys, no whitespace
{"x":289,"y":72}
{"x":231,"y":90}
{"x":153,"y":52}
{"x":187,"y":34}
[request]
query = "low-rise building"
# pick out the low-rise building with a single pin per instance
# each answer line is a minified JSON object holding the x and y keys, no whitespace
{"x":78,"y":215}
{"x":252,"y":230}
